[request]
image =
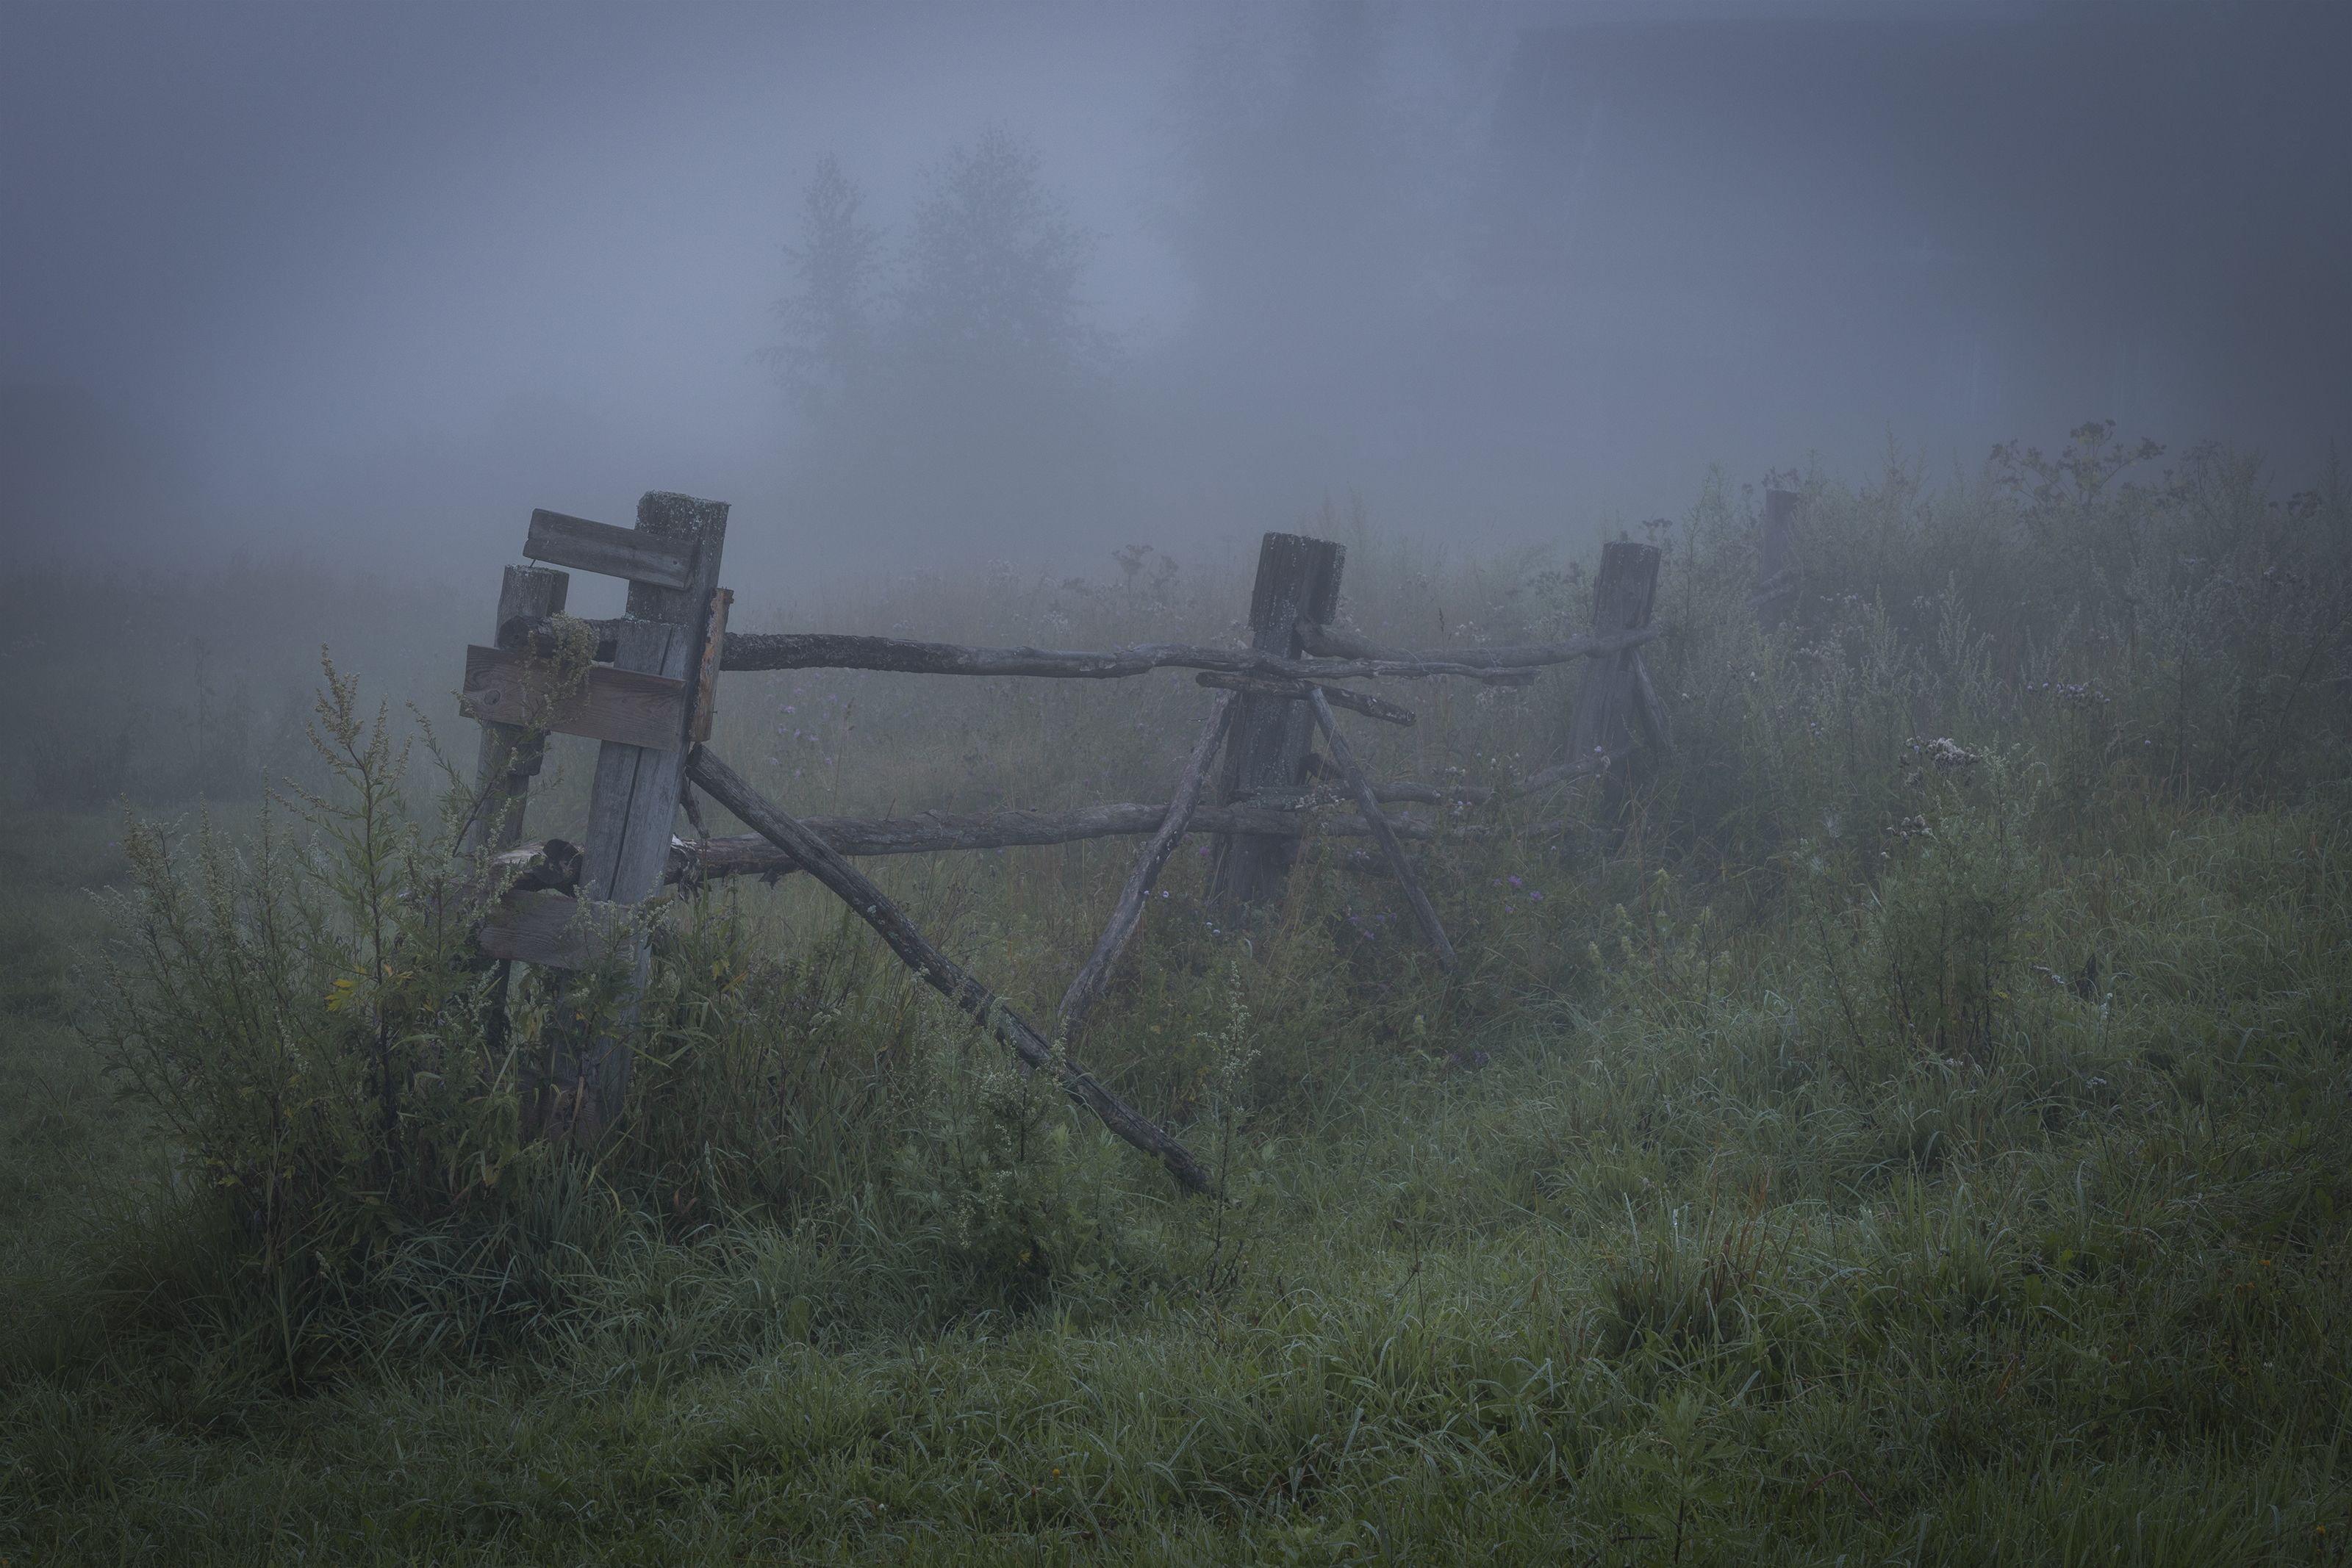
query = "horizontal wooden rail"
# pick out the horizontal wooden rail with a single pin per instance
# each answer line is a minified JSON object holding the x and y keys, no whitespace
{"x":833,"y":651}
{"x":555,"y":863}
{"x":1329,"y":642}
{"x":625,"y":706}
{"x":795,"y":841}
{"x":631,"y":553}
{"x":816,"y":651}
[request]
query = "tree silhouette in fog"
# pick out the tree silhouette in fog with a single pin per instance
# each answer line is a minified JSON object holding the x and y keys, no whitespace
{"x":952,"y":384}
{"x":826,"y":359}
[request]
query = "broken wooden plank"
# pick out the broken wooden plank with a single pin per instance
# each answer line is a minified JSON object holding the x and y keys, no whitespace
{"x":628,"y":706}
{"x":631,"y":553}
{"x":941,"y":973}
{"x":1086,"y":989}
{"x":552,"y":930}
{"x":1343,"y":756}
{"x":1363,"y":703}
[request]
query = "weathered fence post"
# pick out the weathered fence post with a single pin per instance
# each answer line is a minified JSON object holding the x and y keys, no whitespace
{"x":1776,"y":570}
{"x":1609,"y":696}
{"x":633,"y":805}
{"x":510,"y":758}
{"x":1297,"y":579}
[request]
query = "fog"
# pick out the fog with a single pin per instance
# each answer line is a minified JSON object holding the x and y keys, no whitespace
{"x":1029,"y":282}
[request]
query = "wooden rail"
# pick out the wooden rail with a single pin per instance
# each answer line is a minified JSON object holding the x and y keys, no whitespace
{"x":835,"y":650}
{"x":650,"y":690}
{"x":979,"y":1003}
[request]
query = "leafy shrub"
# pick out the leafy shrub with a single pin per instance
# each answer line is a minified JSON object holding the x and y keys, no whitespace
{"x":300,"y":1015}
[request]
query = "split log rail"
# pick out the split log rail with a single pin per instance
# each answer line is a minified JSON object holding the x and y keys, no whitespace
{"x":644,"y":685}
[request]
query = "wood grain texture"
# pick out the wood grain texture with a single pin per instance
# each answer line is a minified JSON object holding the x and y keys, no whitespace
{"x":1343,"y":757}
{"x":602,"y":549}
{"x":977,"y":1002}
{"x":633,"y":802}
{"x":1297,"y":579}
{"x":628,"y":706}
{"x":1086,"y":989}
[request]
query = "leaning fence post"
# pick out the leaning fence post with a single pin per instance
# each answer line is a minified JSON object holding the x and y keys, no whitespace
{"x":1602,"y":726}
{"x":633,"y":805}
{"x":1297,"y":579}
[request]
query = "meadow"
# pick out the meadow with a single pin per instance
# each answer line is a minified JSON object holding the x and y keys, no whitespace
{"x":1915,"y":1131}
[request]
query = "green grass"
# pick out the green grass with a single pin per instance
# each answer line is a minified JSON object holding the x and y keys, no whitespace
{"x":1817,"y":1199}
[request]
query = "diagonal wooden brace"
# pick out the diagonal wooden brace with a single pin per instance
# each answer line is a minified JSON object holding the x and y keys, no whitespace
{"x":724,"y":785}
{"x":1343,"y":757}
{"x":1087,"y":989}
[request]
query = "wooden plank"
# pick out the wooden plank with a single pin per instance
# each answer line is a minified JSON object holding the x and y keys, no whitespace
{"x":1343,"y":757}
{"x":1086,"y":989}
{"x":509,"y":758}
{"x":1297,"y":579}
{"x":633,"y":802}
{"x":976,"y":1001}
{"x":706,"y":689}
{"x":601,"y":547}
{"x":1363,"y":703}
{"x":629,"y":706}
{"x":552,"y":930}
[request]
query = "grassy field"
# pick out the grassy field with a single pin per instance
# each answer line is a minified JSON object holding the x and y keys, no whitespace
{"x":1857,"y":1153}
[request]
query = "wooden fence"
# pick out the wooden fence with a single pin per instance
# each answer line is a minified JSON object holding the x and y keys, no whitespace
{"x":646,"y":683}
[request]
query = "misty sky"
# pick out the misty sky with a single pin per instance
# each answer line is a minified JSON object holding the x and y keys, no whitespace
{"x":304,"y":226}
{"x":318,"y":251}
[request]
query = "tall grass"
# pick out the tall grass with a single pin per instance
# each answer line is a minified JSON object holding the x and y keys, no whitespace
{"x":1914,"y":1133}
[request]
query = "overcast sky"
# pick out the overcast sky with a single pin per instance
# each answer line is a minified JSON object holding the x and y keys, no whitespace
{"x":299,"y":227}
{"x":304,"y":239}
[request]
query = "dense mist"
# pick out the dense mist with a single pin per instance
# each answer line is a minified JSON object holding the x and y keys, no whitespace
{"x":1032,"y":282}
